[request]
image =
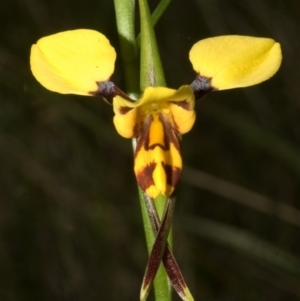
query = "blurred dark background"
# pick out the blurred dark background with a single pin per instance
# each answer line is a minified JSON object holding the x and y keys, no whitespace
{"x":70,"y":222}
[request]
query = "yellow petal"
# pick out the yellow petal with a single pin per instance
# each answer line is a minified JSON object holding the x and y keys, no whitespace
{"x":163,"y":94}
{"x":158,"y":95}
{"x":236,"y":61}
{"x":180,"y":103}
{"x":183,"y":119}
{"x":73,"y":61}
{"x":125,"y":124}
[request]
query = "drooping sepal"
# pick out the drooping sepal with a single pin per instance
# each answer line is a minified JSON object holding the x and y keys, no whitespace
{"x":169,"y":262}
{"x":158,"y":249}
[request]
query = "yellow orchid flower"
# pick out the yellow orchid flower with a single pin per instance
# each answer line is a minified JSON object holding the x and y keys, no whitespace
{"x":82,"y":61}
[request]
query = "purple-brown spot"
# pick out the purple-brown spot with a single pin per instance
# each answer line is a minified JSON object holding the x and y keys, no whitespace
{"x":124,"y":110}
{"x":183,"y":104}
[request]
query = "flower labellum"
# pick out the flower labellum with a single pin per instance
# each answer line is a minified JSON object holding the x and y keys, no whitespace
{"x":156,"y":120}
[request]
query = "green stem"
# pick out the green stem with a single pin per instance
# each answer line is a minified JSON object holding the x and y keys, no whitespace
{"x":156,"y":15}
{"x":125,"y":24}
{"x":151,"y":74}
{"x":159,"y":10}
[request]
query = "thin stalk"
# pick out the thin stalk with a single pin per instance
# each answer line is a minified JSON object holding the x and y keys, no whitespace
{"x":125,"y":15}
{"x":156,"y":15}
{"x":159,"y":11}
{"x":151,"y":74}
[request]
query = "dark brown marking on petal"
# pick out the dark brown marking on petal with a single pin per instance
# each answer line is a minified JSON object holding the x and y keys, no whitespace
{"x":144,"y":177}
{"x":153,"y":146}
{"x":142,"y":130}
{"x":166,"y":145}
{"x":170,"y":133}
{"x":173,"y":174}
{"x":170,"y":136}
{"x":124,"y":110}
{"x":183,"y":104}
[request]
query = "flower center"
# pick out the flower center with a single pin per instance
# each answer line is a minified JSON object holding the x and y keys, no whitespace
{"x":155,"y":108}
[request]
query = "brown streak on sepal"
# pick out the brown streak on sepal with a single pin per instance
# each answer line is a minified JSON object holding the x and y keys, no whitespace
{"x":159,"y":247}
{"x":155,"y":255}
{"x":175,"y":275}
{"x":168,"y":259}
{"x":172,"y":270}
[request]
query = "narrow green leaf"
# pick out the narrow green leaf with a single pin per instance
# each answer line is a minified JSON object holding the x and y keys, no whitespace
{"x":274,"y":144}
{"x":243,"y":242}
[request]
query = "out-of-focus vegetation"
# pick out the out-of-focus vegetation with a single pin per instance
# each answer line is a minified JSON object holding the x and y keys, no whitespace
{"x":70,"y":223}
